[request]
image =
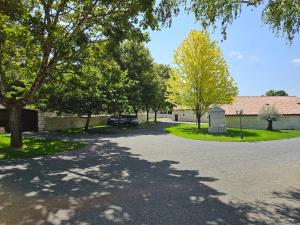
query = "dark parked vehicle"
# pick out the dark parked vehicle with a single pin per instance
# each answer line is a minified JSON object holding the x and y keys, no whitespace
{"x":125,"y":120}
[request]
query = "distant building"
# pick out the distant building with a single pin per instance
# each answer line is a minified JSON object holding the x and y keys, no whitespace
{"x":187,"y":115}
{"x":288,"y":107}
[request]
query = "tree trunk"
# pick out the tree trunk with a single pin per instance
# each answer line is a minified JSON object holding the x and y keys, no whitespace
{"x":198,"y":115}
{"x":119,"y":118}
{"x":15,"y":126}
{"x":155,"y":116}
{"x":270,"y":125}
{"x":136,"y":113}
{"x":147,"y":115}
{"x":87,"y":122}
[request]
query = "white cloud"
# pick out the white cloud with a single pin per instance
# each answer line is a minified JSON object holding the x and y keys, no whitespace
{"x":239,"y":56}
{"x":296,"y":61}
{"x":253,"y":58}
{"x":236,"y":55}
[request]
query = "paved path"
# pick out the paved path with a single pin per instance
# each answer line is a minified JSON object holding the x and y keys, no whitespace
{"x":151,"y":177}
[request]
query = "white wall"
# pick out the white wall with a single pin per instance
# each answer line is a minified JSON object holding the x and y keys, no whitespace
{"x":254,"y":122}
{"x":142,"y":117}
{"x":249,"y":122}
{"x":188,"y":115}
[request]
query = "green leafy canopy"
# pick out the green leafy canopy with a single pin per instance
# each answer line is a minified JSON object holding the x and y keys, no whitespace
{"x":282,"y":16}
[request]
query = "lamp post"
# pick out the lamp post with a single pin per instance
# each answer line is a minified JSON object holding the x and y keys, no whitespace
{"x":240,"y":113}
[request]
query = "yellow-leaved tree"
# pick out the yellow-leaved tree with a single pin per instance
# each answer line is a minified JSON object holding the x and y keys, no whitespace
{"x":201,"y":77}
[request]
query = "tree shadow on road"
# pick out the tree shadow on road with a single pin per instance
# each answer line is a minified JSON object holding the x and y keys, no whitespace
{"x":284,"y":209}
{"x":105,"y":131}
{"x":107,"y":184}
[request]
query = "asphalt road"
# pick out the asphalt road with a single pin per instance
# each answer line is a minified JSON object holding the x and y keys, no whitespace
{"x":147,"y":176}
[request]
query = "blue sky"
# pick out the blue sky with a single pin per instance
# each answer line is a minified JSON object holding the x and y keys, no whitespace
{"x":257,"y":59}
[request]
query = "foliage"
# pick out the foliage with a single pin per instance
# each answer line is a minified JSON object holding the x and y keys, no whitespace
{"x":147,"y":87}
{"x":281,"y":15}
{"x":276,"y":93}
{"x":232,"y":135}
{"x":19,"y":55}
{"x":269,"y":113}
{"x":117,"y":86}
{"x":47,"y":33}
{"x":163,"y":71}
{"x":42,"y":35}
{"x":36,"y":147}
{"x":201,"y":78}
{"x":148,"y":90}
{"x":95,"y":84}
{"x":153,"y":89}
{"x":159,"y":98}
{"x":135,"y":58}
{"x":76,"y":90}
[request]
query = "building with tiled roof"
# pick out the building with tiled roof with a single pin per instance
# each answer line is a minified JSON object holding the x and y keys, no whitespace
{"x":251,"y":106}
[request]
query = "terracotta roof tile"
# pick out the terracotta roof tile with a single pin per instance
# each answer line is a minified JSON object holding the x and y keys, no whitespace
{"x":251,"y":105}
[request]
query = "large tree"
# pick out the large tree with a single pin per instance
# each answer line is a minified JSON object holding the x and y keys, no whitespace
{"x":36,"y":36}
{"x":201,"y":78}
{"x":117,"y":85}
{"x":282,"y":16}
{"x":135,"y":58}
{"x":86,"y":88}
{"x":147,"y":89}
{"x":148,"y":92}
{"x":159,"y":98}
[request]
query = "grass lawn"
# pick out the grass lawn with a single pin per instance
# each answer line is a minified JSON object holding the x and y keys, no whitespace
{"x":103,"y":129}
{"x":233,"y":135}
{"x":36,"y":147}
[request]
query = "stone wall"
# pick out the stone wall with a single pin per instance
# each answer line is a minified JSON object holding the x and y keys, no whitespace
{"x":50,"y":122}
{"x":254,"y":122}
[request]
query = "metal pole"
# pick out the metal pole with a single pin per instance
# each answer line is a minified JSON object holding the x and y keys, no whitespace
{"x":240,"y":113}
{"x":241,"y":127}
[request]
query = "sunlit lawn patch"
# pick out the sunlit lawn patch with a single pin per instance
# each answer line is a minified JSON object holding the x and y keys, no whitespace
{"x":233,"y":135}
{"x":105,"y":129}
{"x":101,"y":129}
{"x":36,"y":147}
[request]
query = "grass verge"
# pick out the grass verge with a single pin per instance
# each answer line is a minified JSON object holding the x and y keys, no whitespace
{"x":104,"y":129}
{"x":233,"y":135}
{"x":33,"y":147}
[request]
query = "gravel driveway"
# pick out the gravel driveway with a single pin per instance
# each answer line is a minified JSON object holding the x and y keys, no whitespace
{"x":147,"y":176}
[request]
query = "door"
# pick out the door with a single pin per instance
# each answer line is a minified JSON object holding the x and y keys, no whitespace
{"x":176,"y":117}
